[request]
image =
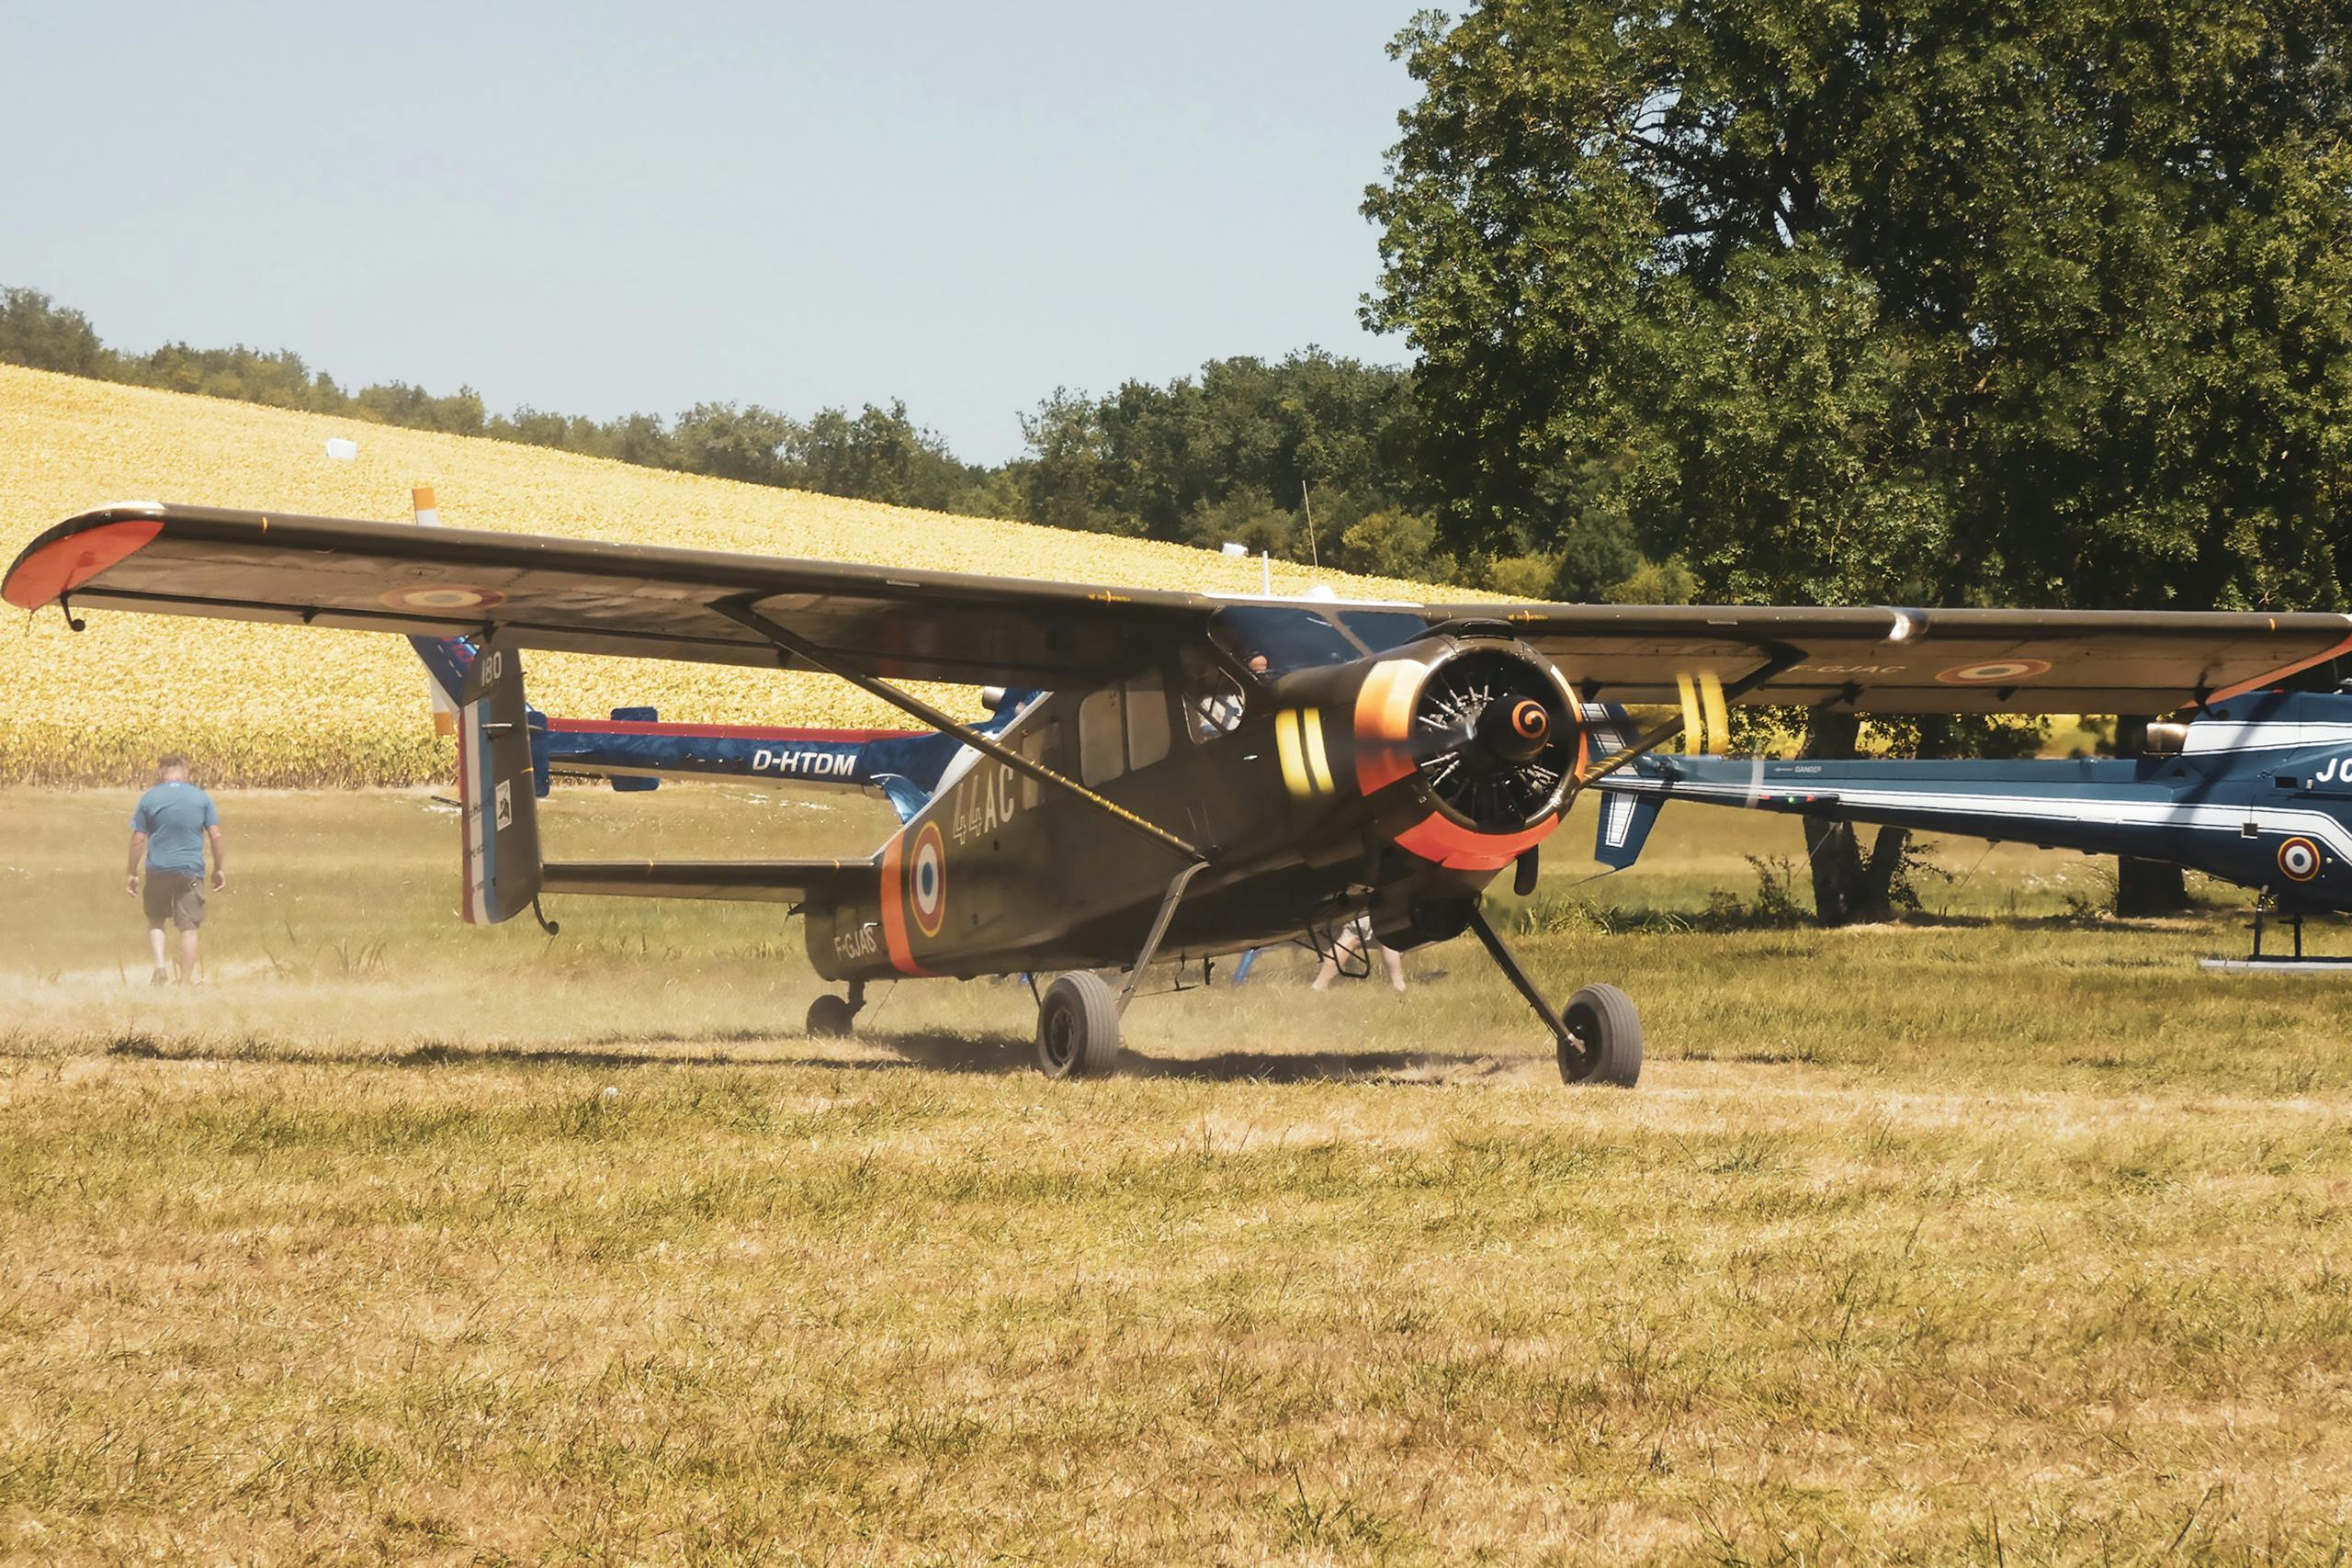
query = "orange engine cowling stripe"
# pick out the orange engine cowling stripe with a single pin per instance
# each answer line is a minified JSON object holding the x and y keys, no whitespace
{"x":894,"y":905}
{"x":1465,"y":848}
{"x":1385,"y":722}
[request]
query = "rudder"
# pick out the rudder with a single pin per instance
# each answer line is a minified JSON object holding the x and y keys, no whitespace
{"x":497,"y":806}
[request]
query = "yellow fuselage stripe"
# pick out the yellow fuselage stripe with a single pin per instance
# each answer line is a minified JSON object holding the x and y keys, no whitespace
{"x":1311,"y":723}
{"x":1286,"y":747}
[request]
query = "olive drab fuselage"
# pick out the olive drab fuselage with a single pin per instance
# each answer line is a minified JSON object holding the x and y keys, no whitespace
{"x":1302,"y":791}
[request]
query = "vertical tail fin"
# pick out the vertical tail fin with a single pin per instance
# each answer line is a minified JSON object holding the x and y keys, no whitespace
{"x":497,"y":806}
{"x":1624,"y":827}
{"x":1625,"y":818}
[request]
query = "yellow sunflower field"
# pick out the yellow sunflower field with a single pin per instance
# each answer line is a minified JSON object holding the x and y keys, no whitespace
{"x":288,"y":706}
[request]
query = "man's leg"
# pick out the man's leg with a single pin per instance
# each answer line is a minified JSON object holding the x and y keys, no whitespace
{"x":155,"y":946}
{"x":188,"y":913}
{"x":1396,"y":967}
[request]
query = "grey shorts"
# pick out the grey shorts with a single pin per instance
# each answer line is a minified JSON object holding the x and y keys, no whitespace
{"x":174,"y":896}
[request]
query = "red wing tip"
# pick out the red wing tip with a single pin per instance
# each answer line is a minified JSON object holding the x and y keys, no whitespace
{"x":48,"y":571}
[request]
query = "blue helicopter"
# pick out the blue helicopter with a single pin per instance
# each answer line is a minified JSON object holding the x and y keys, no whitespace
{"x":2255,"y":790}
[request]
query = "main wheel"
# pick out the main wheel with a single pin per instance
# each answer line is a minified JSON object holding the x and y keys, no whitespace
{"x":1605,"y":1025}
{"x":828,"y":1016}
{"x":1077,"y":1028}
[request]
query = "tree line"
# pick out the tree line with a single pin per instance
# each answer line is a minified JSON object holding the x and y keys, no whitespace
{"x":1313,"y":456}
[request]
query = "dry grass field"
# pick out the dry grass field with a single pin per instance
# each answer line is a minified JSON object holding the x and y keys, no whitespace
{"x":283,"y":706}
{"x":1996,"y":1238}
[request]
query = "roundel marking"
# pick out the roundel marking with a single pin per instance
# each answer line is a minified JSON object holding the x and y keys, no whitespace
{"x":1997,"y":671}
{"x":927,"y":880}
{"x":1530,"y":720}
{"x":444,"y":597}
{"x":2299,"y":860}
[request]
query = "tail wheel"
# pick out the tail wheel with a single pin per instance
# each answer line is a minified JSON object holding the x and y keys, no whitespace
{"x":828,"y":1016}
{"x":1077,"y":1028}
{"x":1603,"y":1023}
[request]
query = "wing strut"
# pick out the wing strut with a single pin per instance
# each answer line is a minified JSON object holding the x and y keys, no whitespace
{"x":1782,"y":658}
{"x":907,"y":702}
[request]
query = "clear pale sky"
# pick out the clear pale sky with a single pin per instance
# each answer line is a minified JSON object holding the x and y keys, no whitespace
{"x":600,"y":208}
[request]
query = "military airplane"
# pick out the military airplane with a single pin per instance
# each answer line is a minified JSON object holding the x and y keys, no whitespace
{"x":2255,"y":789}
{"x":1208,"y":774}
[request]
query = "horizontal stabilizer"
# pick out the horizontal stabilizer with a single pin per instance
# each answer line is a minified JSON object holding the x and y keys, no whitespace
{"x":630,"y":783}
{"x":752,"y":881}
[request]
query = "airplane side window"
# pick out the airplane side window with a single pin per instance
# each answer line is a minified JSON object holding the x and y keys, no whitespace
{"x":1102,"y":739}
{"x":1042,"y":745}
{"x":1215,"y":707}
{"x":1146,"y":720}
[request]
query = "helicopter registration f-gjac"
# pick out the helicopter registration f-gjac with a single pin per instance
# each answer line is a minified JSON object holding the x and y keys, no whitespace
{"x":1203,"y":774}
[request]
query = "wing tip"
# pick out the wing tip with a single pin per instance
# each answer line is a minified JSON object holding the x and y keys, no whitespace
{"x":77,"y":550}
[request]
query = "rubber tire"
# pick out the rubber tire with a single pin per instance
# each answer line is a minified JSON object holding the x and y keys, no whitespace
{"x":830,"y":1016}
{"x":1077,"y":1028}
{"x":1603,"y":1018}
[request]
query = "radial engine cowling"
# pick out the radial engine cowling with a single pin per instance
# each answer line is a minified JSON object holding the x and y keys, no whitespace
{"x":1465,"y":748}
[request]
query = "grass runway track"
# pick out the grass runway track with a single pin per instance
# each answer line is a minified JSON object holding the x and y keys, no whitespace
{"x":1995,"y":1238}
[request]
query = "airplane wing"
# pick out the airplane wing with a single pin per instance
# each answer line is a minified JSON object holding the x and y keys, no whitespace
{"x":650,"y":602}
{"x":585,"y":597}
{"x":1888,"y":660}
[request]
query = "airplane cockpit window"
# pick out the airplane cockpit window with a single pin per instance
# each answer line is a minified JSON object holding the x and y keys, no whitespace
{"x":1380,"y":630}
{"x":1287,"y":639}
{"x":1213,"y":706}
{"x":1292,"y":637}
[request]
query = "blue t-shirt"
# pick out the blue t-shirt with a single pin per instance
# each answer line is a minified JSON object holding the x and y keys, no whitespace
{"x":173,"y":815}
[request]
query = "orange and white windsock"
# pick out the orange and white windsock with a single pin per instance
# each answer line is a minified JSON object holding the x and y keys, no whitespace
{"x":445,"y":711}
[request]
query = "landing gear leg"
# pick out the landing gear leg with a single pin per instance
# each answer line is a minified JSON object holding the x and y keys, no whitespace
{"x":1168,"y":902}
{"x":1077,"y":1022}
{"x":829,"y":1015}
{"x":1599,"y":1041}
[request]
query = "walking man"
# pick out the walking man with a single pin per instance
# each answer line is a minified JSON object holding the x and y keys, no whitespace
{"x":1354,"y":939}
{"x":169,"y":827}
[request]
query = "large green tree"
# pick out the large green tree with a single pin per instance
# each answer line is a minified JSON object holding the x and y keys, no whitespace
{"x":2037,"y":300}
{"x":2040,"y":301}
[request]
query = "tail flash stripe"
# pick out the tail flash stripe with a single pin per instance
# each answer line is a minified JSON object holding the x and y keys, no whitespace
{"x":894,"y":905}
{"x":1320,"y":765}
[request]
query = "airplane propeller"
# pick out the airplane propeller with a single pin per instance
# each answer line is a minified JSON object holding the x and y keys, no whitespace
{"x":1494,"y":735}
